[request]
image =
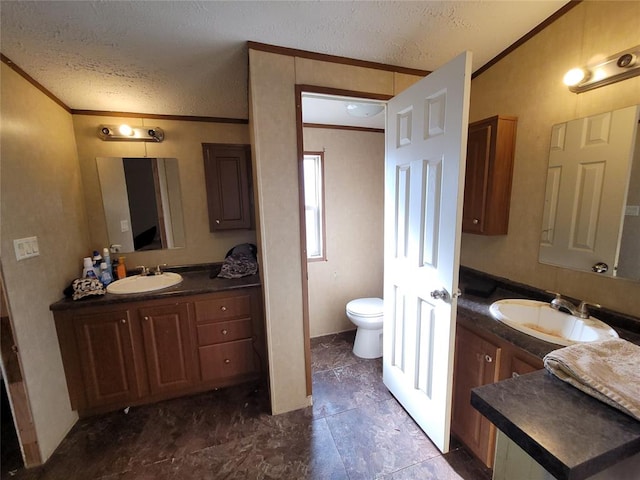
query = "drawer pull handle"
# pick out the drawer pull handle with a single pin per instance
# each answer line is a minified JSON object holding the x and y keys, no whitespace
{"x":227,"y":361}
{"x":224,"y":331}
{"x":223,"y":308}
{"x":515,"y":374}
{"x":488,"y":359}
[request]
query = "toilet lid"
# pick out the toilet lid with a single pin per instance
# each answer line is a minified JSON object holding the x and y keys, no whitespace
{"x":366,"y":307}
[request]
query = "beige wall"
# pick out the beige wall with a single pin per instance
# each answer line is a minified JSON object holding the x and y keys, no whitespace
{"x":41,"y":196}
{"x":183,"y":140}
{"x":528,"y":84}
{"x":354,"y":198}
{"x":272,"y":113}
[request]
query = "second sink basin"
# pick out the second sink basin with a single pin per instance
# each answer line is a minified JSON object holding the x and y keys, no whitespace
{"x":141,"y":284}
{"x":539,"y":320}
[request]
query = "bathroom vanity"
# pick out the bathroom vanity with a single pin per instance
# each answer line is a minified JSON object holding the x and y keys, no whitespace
{"x":124,"y":350}
{"x":488,"y":352}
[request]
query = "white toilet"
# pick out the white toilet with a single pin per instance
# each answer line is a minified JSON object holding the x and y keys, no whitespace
{"x":367,"y":315}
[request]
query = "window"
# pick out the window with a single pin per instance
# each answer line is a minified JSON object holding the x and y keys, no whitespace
{"x":314,"y":205}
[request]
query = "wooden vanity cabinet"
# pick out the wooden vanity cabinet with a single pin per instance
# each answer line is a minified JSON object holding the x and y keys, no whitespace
{"x":482,"y":358}
{"x":489,"y":170}
{"x":476,"y":363}
{"x":105,"y":357}
{"x":126,"y":354}
{"x":166,"y":334}
{"x":226,"y":328}
{"x":227,"y":170}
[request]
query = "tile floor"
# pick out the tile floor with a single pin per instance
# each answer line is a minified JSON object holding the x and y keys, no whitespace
{"x":355,"y":430}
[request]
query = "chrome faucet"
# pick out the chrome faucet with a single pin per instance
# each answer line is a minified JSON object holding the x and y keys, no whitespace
{"x":581,"y":311}
{"x":144,"y":271}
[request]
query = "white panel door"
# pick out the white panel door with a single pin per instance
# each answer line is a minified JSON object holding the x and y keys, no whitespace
{"x":589,"y":163}
{"x":426,"y":143}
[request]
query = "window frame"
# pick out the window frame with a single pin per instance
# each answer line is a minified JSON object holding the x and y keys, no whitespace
{"x":321,"y":221}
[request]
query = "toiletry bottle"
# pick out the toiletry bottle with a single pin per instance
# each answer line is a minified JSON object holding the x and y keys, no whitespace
{"x":105,"y":274}
{"x":122,"y":268}
{"x":106,"y":257}
{"x":88,"y":271}
{"x":97,"y":260}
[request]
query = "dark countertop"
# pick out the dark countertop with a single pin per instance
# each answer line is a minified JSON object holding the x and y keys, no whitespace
{"x":195,"y":280}
{"x":474,"y":310}
{"x":573,"y":437}
{"x":571,"y":434}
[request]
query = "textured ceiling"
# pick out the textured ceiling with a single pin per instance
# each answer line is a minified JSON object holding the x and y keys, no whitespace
{"x":190,"y":57}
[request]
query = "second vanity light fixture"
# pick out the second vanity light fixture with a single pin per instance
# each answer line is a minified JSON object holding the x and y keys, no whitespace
{"x":128,"y":133}
{"x":622,"y":65}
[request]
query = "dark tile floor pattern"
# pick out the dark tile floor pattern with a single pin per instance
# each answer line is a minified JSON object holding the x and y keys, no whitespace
{"x":355,"y":430}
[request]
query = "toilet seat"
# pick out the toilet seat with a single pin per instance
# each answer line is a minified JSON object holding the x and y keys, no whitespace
{"x":366,"y":307}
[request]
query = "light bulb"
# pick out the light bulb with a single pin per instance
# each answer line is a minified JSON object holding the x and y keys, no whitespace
{"x":574,"y":77}
{"x":125,"y":130}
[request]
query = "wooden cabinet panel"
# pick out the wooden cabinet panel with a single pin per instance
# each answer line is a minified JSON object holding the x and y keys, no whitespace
{"x":167,"y":347}
{"x":106,"y":357}
{"x":228,"y":181}
{"x":489,"y":171}
{"x":476,"y":363}
{"x":226,"y":360}
{"x":222,"y":307}
{"x":219,"y":332}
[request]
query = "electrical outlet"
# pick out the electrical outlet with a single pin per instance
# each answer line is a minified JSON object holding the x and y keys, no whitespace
{"x":26,"y":247}
{"x":632,"y":210}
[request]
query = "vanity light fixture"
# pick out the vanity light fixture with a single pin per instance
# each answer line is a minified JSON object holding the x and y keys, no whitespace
{"x":128,"y":133}
{"x":601,"y":72}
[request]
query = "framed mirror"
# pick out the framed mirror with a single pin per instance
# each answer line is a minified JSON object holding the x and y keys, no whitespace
{"x":591,"y":219}
{"x":142,"y":202}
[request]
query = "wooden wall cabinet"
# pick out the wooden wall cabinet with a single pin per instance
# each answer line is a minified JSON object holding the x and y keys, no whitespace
{"x":489,"y":172}
{"x":126,"y":354}
{"x":227,"y":170}
{"x":482,"y":358}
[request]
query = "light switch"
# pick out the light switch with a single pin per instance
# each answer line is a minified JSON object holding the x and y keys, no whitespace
{"x":26,"y":247}
{"x":124,"y":225}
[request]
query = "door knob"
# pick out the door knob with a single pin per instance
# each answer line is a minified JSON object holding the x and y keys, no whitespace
{"x":440,"y":294}
{"x":600,"y":267}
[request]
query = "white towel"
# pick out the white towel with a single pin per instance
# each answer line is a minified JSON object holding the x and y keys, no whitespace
{"x":608,"y":370}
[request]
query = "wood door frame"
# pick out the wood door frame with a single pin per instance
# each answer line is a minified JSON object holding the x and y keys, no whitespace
{"x":13,"y":376}
{"x":299,"y":90}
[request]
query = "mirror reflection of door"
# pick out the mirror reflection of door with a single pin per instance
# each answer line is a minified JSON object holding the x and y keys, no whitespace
{"x":147,"y":220}
{"x":586,"y":197}
{"x":142,"y":202}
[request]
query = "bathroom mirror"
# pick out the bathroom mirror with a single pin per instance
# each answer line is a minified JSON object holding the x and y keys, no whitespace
{"x":142,"y":202}
{"x":591,"y":218}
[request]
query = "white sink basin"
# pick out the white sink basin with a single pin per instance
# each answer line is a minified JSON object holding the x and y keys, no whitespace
{"x":141,"y":284}
{"x":539,"y":320}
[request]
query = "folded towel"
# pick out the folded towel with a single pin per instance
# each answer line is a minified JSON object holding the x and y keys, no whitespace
{"x":608,"y":370}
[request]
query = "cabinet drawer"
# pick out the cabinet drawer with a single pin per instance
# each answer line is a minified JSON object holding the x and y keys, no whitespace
{"x":227,"y":359}
{"x":223,"y":308}
{"x":219,"y":332}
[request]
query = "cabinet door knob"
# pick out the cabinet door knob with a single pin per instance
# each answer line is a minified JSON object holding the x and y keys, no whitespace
{"x":224,"y":331}
{"x":218,"y":222}
{"x":227,"y":361}
{"x":515,"y":374}
{"x":223,"y":308}
{"x":122,"y":320}
{"x":488,"y":359}
{"x":146,"y":318}
{"x":476,"y":221}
